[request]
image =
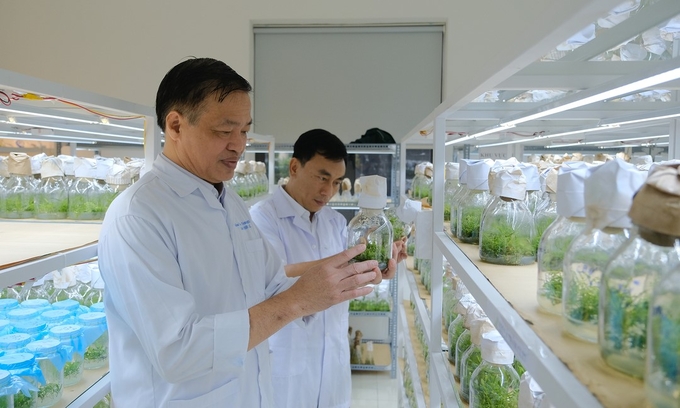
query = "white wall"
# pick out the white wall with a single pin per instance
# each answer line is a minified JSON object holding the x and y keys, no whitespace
{"x":123,"y":48}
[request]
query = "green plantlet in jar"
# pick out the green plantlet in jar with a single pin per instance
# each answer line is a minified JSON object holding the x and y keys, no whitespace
{"x":517,"y":365}
{"x":626,"y":327}
{"x":447,"y":212}
{"x":95,"y":352}
{"x":22,"y":401}
{"x":71,"y":369}
{"x":501,"y":243}
{"x":474,"y":359}
{"x":552,"y":287}
{"x":542,"y":223}
{"x":19,"y":203}
{"x":471,"y":218}
{"x":397,"y":225}
{"x":374,"y":252}
{"x":583,"y":302}
{"x":79,"y":205}
{"x":491,"y":391}
{"x":48,"y":392}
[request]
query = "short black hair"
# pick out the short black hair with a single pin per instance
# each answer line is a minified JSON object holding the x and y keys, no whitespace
{"x":188,"y":84}
{"x":319,"y":141}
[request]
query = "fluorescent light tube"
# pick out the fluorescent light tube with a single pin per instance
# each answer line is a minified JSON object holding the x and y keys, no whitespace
{"x":89,"y":122}
{"x":494,"y":129}
{"x":87,"y":132}
{"x":663,"y":72}
{"x":609,"y":141}
{"x":572,"y":132}
{"x":643,"y":117}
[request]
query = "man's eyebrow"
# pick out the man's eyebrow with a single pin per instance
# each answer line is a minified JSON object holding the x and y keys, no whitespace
{"x":235,"y":123}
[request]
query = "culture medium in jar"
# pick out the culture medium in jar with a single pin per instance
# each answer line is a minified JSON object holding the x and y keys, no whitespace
{"x":20,"y":189}
{"x":454,"y":203}
{"x":648,"y":255}
{"x":507,"y":229}
{"x":494,"y":383}
{"x":421,"y":185}
{"x":609,"y":190}
{"x":51,"y":200}
{"x":71,"y":335}
{"x":23,"y":365}
{"x":557,"y":238}
{"x":475,"y":200}
{"x":95,"y":327}
{"x":370,"y":226}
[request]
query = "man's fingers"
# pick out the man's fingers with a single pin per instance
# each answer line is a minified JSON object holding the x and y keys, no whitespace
{"x":355,"y":293}
{"x":357,"y":268}
{"x":356,"y":281}
{"x":347,"y":255}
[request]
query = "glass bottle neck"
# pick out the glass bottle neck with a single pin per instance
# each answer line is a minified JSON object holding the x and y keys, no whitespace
{"x":371,"y":211}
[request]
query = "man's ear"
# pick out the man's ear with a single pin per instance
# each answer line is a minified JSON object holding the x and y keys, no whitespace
{"x":294,"y":166}
{"x":173,"y":125}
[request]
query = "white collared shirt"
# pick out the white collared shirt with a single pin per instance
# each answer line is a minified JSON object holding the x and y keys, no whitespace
{"x":182,"y":265}
{"x":310,"y":366}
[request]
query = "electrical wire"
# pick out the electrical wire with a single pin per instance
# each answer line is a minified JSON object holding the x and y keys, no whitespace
{"x":35,"y":97}
{"x":4,"y":101}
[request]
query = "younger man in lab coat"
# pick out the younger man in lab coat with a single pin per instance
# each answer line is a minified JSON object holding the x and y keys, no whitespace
{"x":311,"y":365}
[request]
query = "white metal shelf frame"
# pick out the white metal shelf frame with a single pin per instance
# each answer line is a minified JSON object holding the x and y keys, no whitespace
{"x":410,"y":358}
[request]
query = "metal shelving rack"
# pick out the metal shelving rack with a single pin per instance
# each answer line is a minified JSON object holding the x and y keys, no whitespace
{"x":38,"y":267}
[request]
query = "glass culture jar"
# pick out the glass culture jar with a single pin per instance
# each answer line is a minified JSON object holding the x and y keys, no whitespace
{"x":627,"y":284}
{"x":4,"y":178}
{"x":35,"y":328}
{"x":51,"y":200}
{"x":84,"y":195}
{"x":14,"y":343}
{"x":451,"y":187}
{"x":457,"y":325}
{"x":421,"y":185}
{"x":546,"y":212}
{"x":24,"y":365}
{"x":507,"y":228}
{"x":97,"y":307}
{"x":50,"y":357}
{"x":37,"y":291}
{"x":68,"y":164}
{"x":71,"y":335}
{"x":464,"y":341}
{"x":473,"y":355}
{"x":118,"y":179}
{"x":22,"y":315}
{"x":7,"y":390}
{"x":494,"y":383}
{"x":57,"y":317}
{"x":399,"y":229}
{"x":96,"y":335}
{"x":239,"y":182}
{"x":475,"y":200}
{"x":42,"y":305}
{"x":608,"y":194}
{"x":20,"y":190}
{"x":370,"y":226}
{"x":557,"y":238}
{"x":455,"y":199}
{"x":6,"y":305}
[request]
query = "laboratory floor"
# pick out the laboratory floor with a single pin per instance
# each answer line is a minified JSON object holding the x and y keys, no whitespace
{"x":374,"y":389}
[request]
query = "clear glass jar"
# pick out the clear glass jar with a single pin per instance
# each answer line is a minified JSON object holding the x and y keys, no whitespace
{"x":84,"y":200}
{"x":662,"y":375}
{"x":97,"y":307}
{"x":584,"y":264}
{"x":472,"y":356}
{"x":37,"y":291}
{"x":627,"y":284}
{"x":421,"y":185}
{"x":34,"y":328}
{"x":6,"y":390}
{"x":42,"y":305}
{"x":552,"y":248}
{"x":454,"y":206}
{"x":451,"y":187}
{"x":70,"y":305}
{"x":97,"y":353}
{"x":5,"y":327}
{"x":457,"y":325}
{"x":544,"y":217}
{"x":240,"y":182}
{"x":51,"y":364}
{"x":22,"y":315}
{"x":23,"y":365}
{"x":51,"y":200}
{"x":20,"y":196}
{"x":71,"y":335}
{"x":116,"y":185}
{"x":470,"y":212}
{"x":507,"y":232}
{"x":400,"y":230}
{"x":371,"y":227}
{"x":65,"y":291}
{"x":494,"y":383}
{"x":15,"y":342}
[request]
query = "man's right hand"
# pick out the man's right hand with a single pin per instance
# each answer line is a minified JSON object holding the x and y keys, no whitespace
{"x":334,"y":281}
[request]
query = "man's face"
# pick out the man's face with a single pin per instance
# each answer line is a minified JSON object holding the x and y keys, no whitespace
{"x":315,"y":183}
{"x":211,"y":147}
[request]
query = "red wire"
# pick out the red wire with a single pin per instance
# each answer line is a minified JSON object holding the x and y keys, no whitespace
{"x":16,"y":96}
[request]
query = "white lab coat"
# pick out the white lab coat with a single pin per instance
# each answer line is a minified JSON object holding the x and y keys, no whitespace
{"x":181,"y":271}
{"x":310,"y":366}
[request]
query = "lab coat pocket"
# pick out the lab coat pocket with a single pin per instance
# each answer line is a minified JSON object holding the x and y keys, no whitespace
{"x":289,"y":352}
{"x":223,"y":396}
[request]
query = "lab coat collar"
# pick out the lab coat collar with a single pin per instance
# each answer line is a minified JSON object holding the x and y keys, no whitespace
{"x":286,"y":206}
{"x":183,"y":182}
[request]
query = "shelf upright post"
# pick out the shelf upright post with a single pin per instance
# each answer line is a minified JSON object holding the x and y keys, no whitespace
{"x":152,"y":143}
{"x":402,"y":169}
{"x":272,"y":165}
{"x":435,"y":345}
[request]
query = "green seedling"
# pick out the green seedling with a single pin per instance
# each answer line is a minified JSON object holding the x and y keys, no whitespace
{"x":501,"y":243}
{"x":470,"y":219}
{"x":494,"y":390}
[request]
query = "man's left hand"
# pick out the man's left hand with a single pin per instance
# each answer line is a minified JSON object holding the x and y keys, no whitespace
{"x":398,"y":255}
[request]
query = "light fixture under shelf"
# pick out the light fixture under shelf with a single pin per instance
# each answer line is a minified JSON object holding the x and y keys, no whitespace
{"x":643,"y":117}
{"x":494,"y":129}
{"x":609,"y":141}
{"x":572,"y":132}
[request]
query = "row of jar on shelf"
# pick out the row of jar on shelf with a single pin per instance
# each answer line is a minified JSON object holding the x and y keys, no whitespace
{"x":483,"y":363}
{"x":607,"y":255}
{"x":49,"y":187}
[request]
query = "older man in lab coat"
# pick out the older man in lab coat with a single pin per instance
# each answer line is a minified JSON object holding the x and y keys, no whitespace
{"x":193,"y":290}
{"x":311,"y":365}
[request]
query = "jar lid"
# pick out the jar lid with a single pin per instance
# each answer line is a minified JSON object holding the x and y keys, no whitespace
{"x":35,"y":303}
{"x":5,"y":378}
{"x":451,"y":171}
{"x":14,"y":341}
{"x":55,"y":315}
{"x":657,"y":205}
{"x":85,"y":167}
{"x":67,"y":163}
{"x":4,"y":169}
{"x":66,"y":331}
{"x":373,"y":192}
{"x":36,"y":162}
{"x":570,"y":186}
{"x":531,"y":173}
{"x":3,"y":323}
{"x":23,"y":314}
{"x":6,"y":304}
{"x":462,"y":172}
{"x":67,"y":304}
{"x":92,"y":319}
{"x":19,"y":164}
{"x":495,"y":349}
{"x":478,"y":328}
{"x":30,"y":326}
{"x":103,"y":166}
{"x":97,"y":307}
{"x":15,"y":361}
{"x":240,"y":167}
{"x":478,"y":174}
{"x":44,"y":347}
{"x":51,"y":167}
